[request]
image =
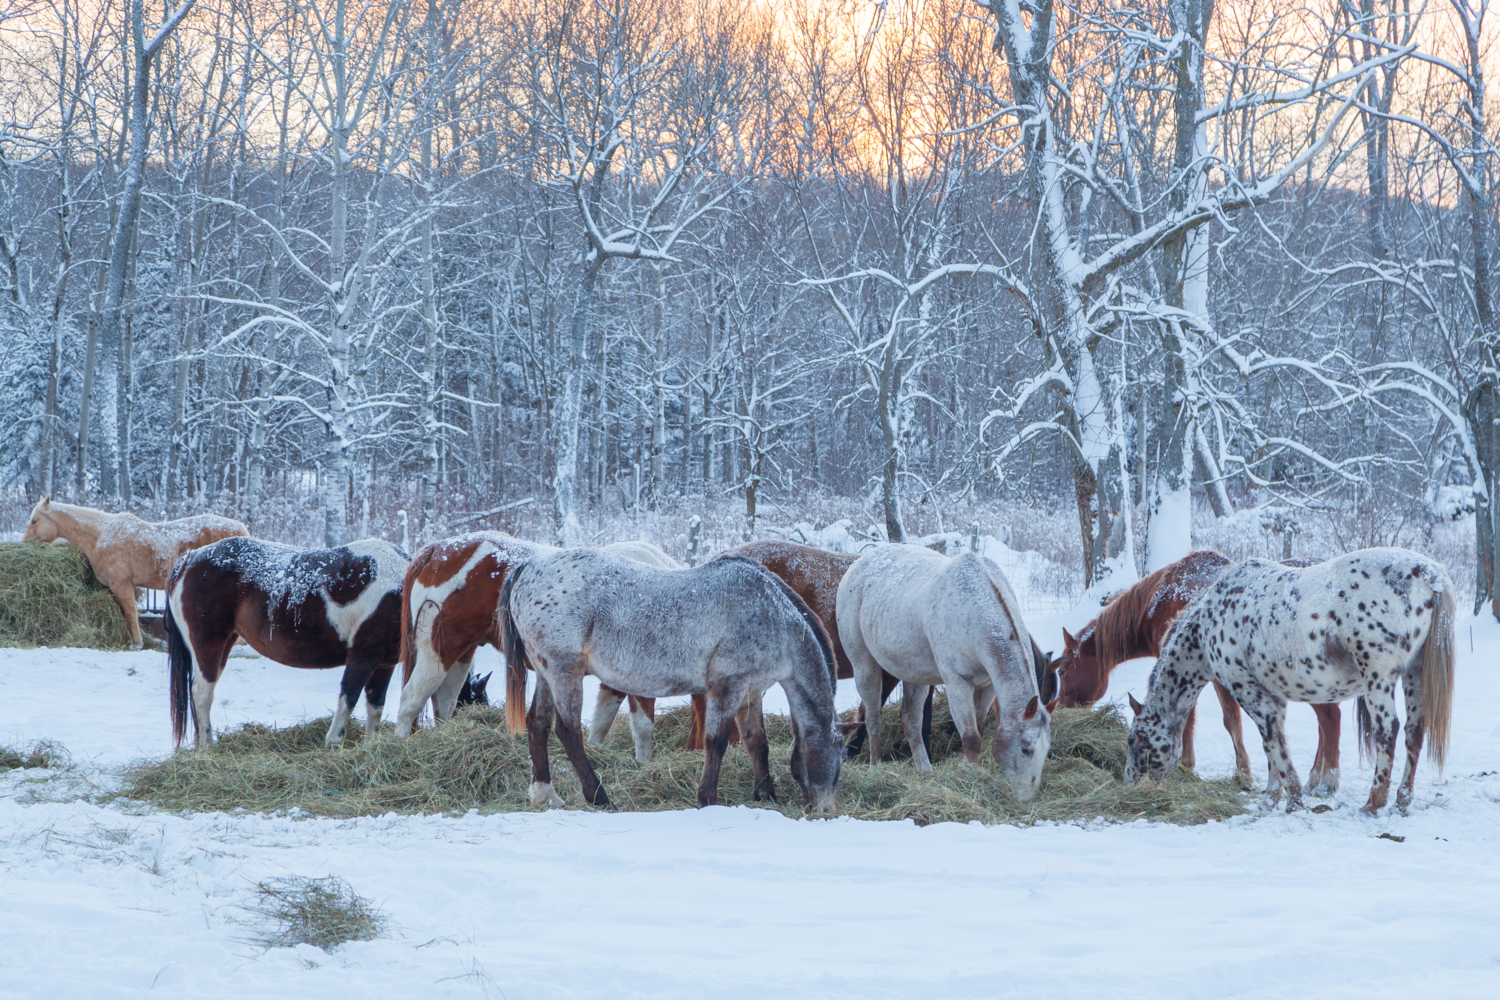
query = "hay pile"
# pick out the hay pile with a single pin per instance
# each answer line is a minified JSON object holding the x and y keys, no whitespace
{"x":472,"y":762}
{"x":322,"y":912}
{"x":50,"y":597}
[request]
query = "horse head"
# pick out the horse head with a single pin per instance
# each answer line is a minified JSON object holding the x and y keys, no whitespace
{"x":815,"y":765}
{"x":1020,"y":748}
{"x":1083,"y":677}
{"x":40,"y":527}
{"x":473,"y":691}
{"x":1153,"y":748}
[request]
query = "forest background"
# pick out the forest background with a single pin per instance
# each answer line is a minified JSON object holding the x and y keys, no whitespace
{"x":1109,"y":280}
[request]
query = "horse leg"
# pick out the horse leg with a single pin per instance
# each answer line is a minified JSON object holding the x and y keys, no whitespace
{"x":425,"y":681}
{"x":606,"y":707}
{"x":1234,"y":726}
{"x":753,"y":727}
{"x":1269,"y":713}
{"x":1416,"y":728}
{"x":356,"y":675}
{"x":965,"y":718}
{"x":216,"y":655}
{"x":867,"y":681}
{"x":695,"y":725}
{"x":445,"y":698}
{"x":913,"y":697}
{"x":717,"y":721}
{"x":569,"y":697}
{"x":1381,"y":706}
{"x":124,"y":594}
{"x":375,"y":690}
{"x":642,"y":726}
{"x":1324,"y":779}
{"x":1189,"y":729}
{"x":538,"y":727}
{"x":927,"y":721}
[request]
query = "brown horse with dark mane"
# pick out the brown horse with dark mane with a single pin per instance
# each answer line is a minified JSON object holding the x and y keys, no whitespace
{"x":1134,"y":625}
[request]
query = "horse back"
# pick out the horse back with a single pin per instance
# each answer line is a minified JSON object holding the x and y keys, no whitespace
{"x":814,"y":575}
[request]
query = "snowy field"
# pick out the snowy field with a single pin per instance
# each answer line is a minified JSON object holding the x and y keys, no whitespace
{"x":115,"y":901}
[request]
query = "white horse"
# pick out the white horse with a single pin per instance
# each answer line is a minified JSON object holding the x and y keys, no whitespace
{"x":1352,"y":626}
{"x":928,"y":619}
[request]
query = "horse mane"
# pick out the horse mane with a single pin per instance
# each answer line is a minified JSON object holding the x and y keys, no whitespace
{"x":825,"y":646}
{"x":1119,"y":625}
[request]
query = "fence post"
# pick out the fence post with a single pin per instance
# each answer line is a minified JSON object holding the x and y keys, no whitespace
{"x":692,"y":552}
{"x":974,"y":537}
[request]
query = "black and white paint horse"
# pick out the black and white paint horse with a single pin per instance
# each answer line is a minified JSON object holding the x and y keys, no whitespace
{"x":1354,"y":626}
{"x":726,"y":629}
{"x":315,"y":609}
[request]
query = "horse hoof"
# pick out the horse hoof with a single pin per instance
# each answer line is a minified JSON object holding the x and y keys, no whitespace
{"x":543,"y":794}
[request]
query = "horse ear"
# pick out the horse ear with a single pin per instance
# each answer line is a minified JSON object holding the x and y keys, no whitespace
{"x":1052,"y":705}
{"x":1069,"y":643}
{"x":46,"y":502}
{"x":1031,"y":707}
{"x":1135,"y":706}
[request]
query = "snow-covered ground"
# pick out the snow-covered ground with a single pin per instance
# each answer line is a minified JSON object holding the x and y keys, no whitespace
{"x":108,"y":901}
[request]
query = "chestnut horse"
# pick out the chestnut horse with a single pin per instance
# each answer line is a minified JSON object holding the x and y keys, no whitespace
{"x":1134,"y":625}
{"x":728,"y":629}
{"x":125,"y":551}
{"x":313,"y":608}
{"x":448,"y":611}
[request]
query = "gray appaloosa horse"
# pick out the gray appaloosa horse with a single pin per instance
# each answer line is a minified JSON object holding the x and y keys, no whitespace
{"x":929,"y":619}
{"x":1352,"y":626}
{"x":727,"y":629}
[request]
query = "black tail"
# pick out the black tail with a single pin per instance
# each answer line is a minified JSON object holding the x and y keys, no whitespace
{"x":1365,"y":729}
{"x":180,"y":669}
{"x":516,"y":661}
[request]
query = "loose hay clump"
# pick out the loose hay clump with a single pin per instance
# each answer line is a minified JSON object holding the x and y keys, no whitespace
{"x":43,"y":753}
{"x":323,"y":912}
{"x":471,"y":762}
{"x":50,"y":597}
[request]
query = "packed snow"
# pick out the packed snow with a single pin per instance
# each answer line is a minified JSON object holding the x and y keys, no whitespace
{"x":113,"y":900}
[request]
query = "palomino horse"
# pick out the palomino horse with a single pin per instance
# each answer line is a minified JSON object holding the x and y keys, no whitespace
{"x":125,"y":551}
{"x":1134,"y":625}
{"x":1352,"y":626}
{"x":929,"y":619}
{"x":726,"y":629}
{"x":316,"y":609}
{"x":448,"y":611}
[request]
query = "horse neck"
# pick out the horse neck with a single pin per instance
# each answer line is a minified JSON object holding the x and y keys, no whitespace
{"x":79,"y":525}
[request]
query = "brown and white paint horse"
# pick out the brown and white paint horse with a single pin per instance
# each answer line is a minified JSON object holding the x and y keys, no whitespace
{"x":314,"y":608}
{"x":726,"y":629}
{"x":448,"y":606}
{"x":1134,"y":625}
{"x":929,"y":619}
{"x":124,"y":551}
{"x":1350,"y":627}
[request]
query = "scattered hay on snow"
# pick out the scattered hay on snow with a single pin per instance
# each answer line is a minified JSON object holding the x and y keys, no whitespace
{"x":323,"y":912}
{"x":472,"y":762}
{"x":43,"y":753}
{"x":50,"y":597}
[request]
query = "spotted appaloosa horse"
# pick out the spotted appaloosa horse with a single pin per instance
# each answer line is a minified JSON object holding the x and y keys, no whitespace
{"x":448,"y":611}
{"x":1134,"y":625}
{"x":727,"y":629}
{"x":124,"y":551}
{"x":1350,"y":627}
{"x":313,"y":608}
{"x":929,"y":619}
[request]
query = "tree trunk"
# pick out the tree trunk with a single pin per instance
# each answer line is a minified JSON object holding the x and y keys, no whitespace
{"x":567,"y":411}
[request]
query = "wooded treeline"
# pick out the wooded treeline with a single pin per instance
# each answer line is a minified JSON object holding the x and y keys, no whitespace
{"x":576,"y":250}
